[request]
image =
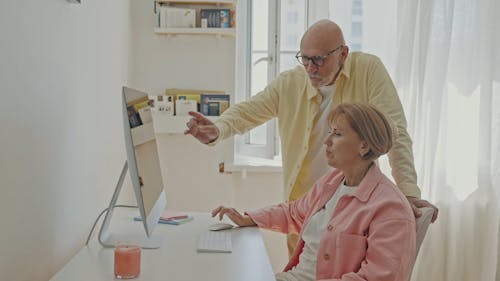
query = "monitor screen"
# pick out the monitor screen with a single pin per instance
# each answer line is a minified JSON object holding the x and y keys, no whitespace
{"x":142,"y":157}
{"x":144,"y":169}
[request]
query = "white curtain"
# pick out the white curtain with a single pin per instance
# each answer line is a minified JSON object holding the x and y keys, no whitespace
{"x":447,"y":73}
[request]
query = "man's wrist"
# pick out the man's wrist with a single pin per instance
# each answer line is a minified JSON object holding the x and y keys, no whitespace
{"x":216,"y":140}
{"x":212,"y":141}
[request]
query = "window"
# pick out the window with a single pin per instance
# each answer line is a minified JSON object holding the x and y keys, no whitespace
{"x":357,"y":30}
{"x":357,"y":7}
{"x":365,"y":30}
{"x":272,"y":32}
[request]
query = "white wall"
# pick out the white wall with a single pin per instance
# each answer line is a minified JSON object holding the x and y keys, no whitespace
{"x":191,"y":177}
{"x":61,"y":70}
{"x":190,"y":169}
{"x":61,"y":148}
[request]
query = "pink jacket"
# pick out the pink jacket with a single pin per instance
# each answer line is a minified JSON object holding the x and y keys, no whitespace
{"x":370,"y":236}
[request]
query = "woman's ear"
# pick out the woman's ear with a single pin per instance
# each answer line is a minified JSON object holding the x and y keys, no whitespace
{"x":363,"y":149}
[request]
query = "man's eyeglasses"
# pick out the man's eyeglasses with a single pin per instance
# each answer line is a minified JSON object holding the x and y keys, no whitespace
{"x":316,"y":60}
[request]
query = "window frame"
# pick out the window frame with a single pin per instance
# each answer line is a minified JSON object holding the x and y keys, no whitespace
{"x":243,"y":65}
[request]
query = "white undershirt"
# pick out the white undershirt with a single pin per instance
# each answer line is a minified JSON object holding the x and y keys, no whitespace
{"x":319,"y":165}
{"x":306,"y":269}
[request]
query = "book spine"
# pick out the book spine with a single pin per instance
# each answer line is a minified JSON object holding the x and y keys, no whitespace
{"x":232,"y":18}
{"x":213,"y":108}
{"x":225,"y":18}
{"x":214,"y":105}
{"x":162,"y":16}
{"x":218,"y":18}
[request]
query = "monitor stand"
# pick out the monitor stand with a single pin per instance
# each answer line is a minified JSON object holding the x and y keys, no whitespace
{"x":109,"y":240}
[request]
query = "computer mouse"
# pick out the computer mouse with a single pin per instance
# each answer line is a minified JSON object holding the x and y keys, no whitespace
{"x":220,"y":226}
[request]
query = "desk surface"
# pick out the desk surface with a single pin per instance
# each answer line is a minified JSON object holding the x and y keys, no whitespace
{"x":177,"y":258}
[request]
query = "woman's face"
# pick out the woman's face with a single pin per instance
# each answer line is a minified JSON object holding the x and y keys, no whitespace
{"x":343,"y":145}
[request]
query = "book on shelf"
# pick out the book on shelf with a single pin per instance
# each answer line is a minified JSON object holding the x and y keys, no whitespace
{"x":182,"y":107}
{"x":214,"y":104}
{"x":193,"y":97}
{"x":225,"y":18}
{"x":213,"y":108}
{"x":163,"y":104}
{"x":232,"y":16}
{"x":218,"y":18}
{"x":196,"y":96}
{"x":173,"y":17}
{"x":186,"y":92}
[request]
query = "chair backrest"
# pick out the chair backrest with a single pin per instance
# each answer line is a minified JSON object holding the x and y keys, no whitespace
{"x":422,"y":223}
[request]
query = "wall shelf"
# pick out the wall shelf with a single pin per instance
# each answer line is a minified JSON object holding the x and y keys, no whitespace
{"x":197,"y":27}
{"x":167,"y":124}
{"x":197,"y":31}
{"x":206,"y":2}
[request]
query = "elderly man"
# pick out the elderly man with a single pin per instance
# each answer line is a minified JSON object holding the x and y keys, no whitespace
{"x":301,"y":100}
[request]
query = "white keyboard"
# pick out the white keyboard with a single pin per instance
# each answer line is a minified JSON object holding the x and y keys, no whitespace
{"x":215,"y":242}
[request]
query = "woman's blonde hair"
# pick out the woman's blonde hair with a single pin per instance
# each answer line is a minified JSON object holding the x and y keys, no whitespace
{"x":369,"y":123}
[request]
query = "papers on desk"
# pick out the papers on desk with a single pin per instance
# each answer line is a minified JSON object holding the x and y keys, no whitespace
{"x":171,"y":217}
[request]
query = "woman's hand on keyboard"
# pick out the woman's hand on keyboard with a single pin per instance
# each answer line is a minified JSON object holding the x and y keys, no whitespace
{"x":235,"y":216}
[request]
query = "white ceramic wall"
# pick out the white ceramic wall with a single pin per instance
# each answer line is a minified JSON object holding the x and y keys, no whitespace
{"x":62,"y":66}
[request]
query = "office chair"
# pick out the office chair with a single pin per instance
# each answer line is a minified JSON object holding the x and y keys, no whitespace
{"x":422,"y":223}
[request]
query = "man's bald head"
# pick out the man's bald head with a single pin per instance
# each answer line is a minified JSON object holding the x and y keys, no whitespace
{"x":324,"y":42}
{"x":324,"y":34}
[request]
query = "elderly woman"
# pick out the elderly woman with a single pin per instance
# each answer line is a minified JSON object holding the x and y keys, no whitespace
{"x":354,"y":224}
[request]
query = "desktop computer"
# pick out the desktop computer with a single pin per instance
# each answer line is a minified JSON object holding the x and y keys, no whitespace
{"x":143,"y":166}
{"x":179,"y":252}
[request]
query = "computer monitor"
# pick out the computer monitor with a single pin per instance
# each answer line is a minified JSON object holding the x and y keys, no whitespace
{"x":144,"y":168}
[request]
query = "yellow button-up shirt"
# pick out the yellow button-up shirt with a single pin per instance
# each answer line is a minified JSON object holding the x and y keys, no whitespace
{"x":295,"y":102}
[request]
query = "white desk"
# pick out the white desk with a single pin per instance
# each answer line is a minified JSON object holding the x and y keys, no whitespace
{"x":177,"y":258}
